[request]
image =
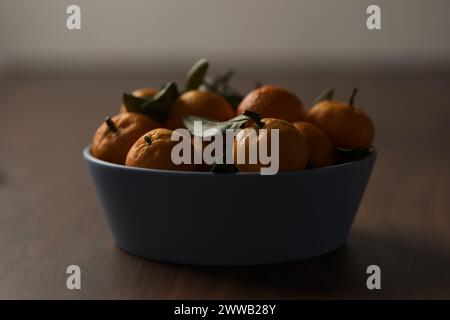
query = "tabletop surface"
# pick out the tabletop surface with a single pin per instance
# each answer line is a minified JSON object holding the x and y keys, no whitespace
{"x":50,"y":217}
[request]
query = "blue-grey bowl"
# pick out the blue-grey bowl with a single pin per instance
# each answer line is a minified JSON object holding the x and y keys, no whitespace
{"x":203,"y":218}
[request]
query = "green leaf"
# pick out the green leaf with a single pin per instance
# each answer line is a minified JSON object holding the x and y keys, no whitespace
{"x":220,"y":81}
{"x":159,"y":107}
{"x":234,"y":123}
{"x":234,"y":99}
{"x":220,"y":84}
{"x":196,"y":75}
{"x":354,"y":153}
{"x":326,"y":94}
{"x":132,"y":103}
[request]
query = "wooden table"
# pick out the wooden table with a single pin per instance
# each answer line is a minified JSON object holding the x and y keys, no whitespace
{"x":50,"y":217}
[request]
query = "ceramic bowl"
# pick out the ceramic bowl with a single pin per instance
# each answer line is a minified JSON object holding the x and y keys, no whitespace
{"x":204,"y":218}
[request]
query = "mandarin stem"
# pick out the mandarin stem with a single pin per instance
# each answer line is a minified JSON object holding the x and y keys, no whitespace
{"x":352,"y":97}
{"x":110,"y":124}
{"x":148,"y":140}
{"x":255,"y":117}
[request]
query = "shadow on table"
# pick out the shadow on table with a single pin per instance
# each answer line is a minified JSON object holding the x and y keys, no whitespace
{"x":409,"y":269}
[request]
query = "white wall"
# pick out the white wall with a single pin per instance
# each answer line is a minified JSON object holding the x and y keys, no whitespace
{"x":306,"y":35}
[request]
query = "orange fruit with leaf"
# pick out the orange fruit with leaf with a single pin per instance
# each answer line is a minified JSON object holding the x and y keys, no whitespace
{"x":347,"y":125}
{"x":116,"y":135}
{"x":292,"y":147}
{"x":155,"y":106}
{"x":273,"y":102}
{"x":204,"y":104}
{"x":205,"y":140}
{"x":153,"y":150}
{"x":140,"y":93}
{"x":321,"y":151}
{"x":201,"y":103}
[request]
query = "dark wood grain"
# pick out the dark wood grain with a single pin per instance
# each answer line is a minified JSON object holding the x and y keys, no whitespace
{"x":50,"y":217}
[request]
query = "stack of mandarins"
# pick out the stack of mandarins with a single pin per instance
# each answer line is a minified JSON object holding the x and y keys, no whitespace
{"x":140,"y":134}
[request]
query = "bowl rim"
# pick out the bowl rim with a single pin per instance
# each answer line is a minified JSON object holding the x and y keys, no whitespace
{"x":90,"y":158}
